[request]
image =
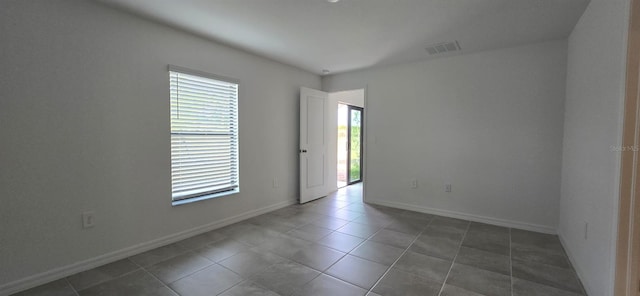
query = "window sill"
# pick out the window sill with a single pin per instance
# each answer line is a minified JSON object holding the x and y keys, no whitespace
{"x":204,"y":197}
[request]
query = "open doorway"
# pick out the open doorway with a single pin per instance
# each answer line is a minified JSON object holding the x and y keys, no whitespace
{"x":323,"y":168}
{"x":350,"y":136}
{"x":346,"y":134}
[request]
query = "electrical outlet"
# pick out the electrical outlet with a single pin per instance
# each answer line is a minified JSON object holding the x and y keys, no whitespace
{"x":414,"y":183}
{"x":276,"y":184}
{"x":88,"y":219}
{"x":447,"y":188}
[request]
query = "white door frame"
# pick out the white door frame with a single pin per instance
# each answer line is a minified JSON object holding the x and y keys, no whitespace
{"x":365,"y":136}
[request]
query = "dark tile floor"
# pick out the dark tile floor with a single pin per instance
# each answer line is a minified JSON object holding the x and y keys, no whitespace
{"x":340,"y":246}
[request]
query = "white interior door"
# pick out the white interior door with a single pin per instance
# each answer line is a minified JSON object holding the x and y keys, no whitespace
{"x":313,"y":144}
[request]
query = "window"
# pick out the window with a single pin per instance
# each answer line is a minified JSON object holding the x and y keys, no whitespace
{"x":204,"y":135}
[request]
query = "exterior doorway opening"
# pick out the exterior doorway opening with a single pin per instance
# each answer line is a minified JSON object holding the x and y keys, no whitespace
{"x":350,"y":140}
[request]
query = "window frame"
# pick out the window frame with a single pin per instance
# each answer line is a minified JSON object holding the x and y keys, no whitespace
{"x":206,"y":195}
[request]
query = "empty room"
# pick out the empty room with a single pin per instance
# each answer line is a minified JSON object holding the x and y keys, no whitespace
{"x":319,"y":147}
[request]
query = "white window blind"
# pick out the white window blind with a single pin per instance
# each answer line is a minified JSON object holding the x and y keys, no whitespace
{"x":204,"y":135}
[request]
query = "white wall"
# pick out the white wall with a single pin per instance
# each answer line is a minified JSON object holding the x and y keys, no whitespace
{"x":84,"y":123}
{"x":350,"y":97}
{"x":593,"y":124}
{"x":353,"y":97}
{"x":489,"y":123}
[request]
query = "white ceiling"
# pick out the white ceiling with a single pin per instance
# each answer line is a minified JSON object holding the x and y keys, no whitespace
{"x":355,"y":34}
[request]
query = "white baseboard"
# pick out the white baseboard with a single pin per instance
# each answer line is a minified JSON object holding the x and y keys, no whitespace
{"x":576,"y":267}
{"x":67,"y":270}
{"x":465,"y":216}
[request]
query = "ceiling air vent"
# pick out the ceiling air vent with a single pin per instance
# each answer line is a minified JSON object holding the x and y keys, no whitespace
{"x":443,"y":47}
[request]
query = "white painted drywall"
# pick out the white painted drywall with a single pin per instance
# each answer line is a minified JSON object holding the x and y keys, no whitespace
{"x":84,"y":123}
{"x":350,"y":97}
{"x":488,"y":123}
{"x":353,"y":97}
{"x":593,"y":125}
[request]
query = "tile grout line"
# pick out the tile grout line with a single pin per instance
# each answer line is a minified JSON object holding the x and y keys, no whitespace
{"x":237,"y":284}
{"x":323,"y":212}
{"x":247,"y":279}
{"x":510,"y":262}
{"x":167,"y":285}
{"x":364,"y":240}
{"x":243,"y":278}
{"x":105,"y":281}
{"x":403,"y":252}
{"x":316,"y":243}
{"x":320,"y":272}
{"x":444,"y":283}
{"x":198,"y":270}
{"x":155,"y":277}
{"x":66,"y":279}
{"x":345,"y":255}
{"x":312,"y":242}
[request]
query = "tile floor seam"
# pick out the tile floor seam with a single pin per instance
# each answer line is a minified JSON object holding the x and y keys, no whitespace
{"x":236,"y":272}
{"x":167,"y":285}
{"x":316,"y":241}
{"x":72,"y":287}
{"x":583,"y":292}
{"x":320,"y":272}
{"x":248,"y":245}
{"x":345,"y":253}
{"x":240,"y":283}
{"x":363,"y":223}
{"x":198,"y":270}
{"x":235,"y":285}
{"x":364,"y":240}
{"x":105,"y":281}
{"x":354,"y":284}
{"x":444,"y":283}
{"x":227,"y":289}
{"x":349,"y":254}
{"x":346,"y":282}
{"x":403,"y":252}
{"x":157,"y":279}
{"x":306,"y":283}
{"x":151,"y":274}
{"x":259,"y":270}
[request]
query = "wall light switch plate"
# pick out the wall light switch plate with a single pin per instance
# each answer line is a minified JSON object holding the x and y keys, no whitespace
{"x":88,"y":219}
